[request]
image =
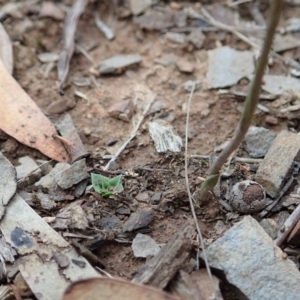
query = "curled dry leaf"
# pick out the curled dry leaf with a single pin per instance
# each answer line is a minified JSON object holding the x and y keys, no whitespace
{"x":6,"y":53}
{"x":69,"y":44}
{"x":113,"y":289}
{"x":21,"y":118}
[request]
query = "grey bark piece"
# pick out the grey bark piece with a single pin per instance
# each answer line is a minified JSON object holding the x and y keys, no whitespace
{"x":278,"y":162}
{"x":143,"y":246}
{"x":139,"y":6}
{"x":159,"y":270}
{"x":72,"y":175}
{"x":258,"y":141}
{"x":164,"y":137}
{"x":48,"y":181}
{"x":281,"y":85}
{"x":115,"y":63}
{"x":35,"y":241}
{"x":251,"y":262}
{"x":227,"y":66}
{"x":8,"y":182}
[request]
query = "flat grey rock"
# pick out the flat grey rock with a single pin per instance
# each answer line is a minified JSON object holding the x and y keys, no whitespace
{"x":115,"y":63}
{"x":258,"y":141}
{"x":281,"y":85}
{"x":227,"y":66}
{"x":27,"y":165}
{"x":143,"y":246}
{"x":251,"y":262}
{"x":285,"y":42}
{"x":72,"y":175}
{"x":178,"y":38}
{"x":278,"y":162}
{"x":164,"y":137}
{"x":48,"y":181}
{"x":8,"y":183}
{"x":138,"y":220}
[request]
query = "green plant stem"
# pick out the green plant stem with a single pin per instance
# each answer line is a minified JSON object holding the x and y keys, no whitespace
{"x":252,"y":97}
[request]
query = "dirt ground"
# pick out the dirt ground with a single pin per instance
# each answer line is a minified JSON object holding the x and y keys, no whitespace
{"x":212,"y":121}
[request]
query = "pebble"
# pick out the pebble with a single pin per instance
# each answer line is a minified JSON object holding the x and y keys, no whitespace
{"x":139,"y":6}
{"x":250,"y":261}
{"x":27,"y":165}
{"x":72,"y":175}
{"x":138,"y":220}
{"x":185,"y":66}
{"x":258,"y":141}
{"x":174,"y":37}
{"x":188,"y":85}
{"x":144,"y":246}
{"x":197,"y":38}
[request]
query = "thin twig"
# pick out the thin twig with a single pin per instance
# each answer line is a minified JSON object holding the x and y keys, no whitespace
{"x":288,"y":225}
{"x":190,"y":195}
{"x":132,"y":135}
{"x":249,"y":106}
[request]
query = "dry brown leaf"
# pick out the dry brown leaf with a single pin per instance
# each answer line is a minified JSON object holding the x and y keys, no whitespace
{"x":6,"y":53}
{"x":113,"y":289}
{"x":21,"y":118}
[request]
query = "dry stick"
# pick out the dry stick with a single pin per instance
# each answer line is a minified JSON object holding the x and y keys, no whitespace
{"x":250,"y":103}
{"x":288,"y":225}
{"x":132,"y":135}
{"x":190,"y":195}
{"x":289,"y":61}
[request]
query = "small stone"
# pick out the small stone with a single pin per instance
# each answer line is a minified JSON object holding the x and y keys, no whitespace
{"x":258,"y":141}
{"x":123,"y":110}
{"x":62,"y":260}
{"x":188,"y":85}
{"x":72,"y":175}
{"x":155,"y":198}
{"x":142,"y":197}
{"x":270,"y":227}
{"x":138,"y":220}
{"x":278,"y":162}
{"x":118,"y":63}
{"x":197,"y":38}
{"x":10,"y":146}
{"x":248,"y":197}
{"x":123,"y":211}
{"x":144,"y":246}
{"x":43,"y":200}
{"x":139,"y":6}
{"x":48,"y":57}
{"x":185,"y":66}
{"x":252,"y":263}
{"x":108,"y":223}
{"x":271,"y":120}
{"x":27,"y":166}
{"x":174,"y":37}
{"x":80,"y":188}
{"x":48,"y":181}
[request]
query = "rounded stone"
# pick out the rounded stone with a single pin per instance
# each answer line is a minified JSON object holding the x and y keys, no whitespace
{"x":248,"y":197}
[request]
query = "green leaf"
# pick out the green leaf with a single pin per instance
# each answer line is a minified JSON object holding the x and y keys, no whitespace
{"x":107,"y":186}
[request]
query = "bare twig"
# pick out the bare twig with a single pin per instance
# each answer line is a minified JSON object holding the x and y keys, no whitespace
{"x":256,"y":14}
{"x":69,"y":44}
{"x":190,"y":195}
{"x":288,"y":225}
{"x":289,"y":61}
{"x":107,"y":31}
{"x":250,"y":103}
{"x":133,"y":133}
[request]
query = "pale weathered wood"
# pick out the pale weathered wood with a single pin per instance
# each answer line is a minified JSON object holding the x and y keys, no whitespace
{"x":159,"y":270}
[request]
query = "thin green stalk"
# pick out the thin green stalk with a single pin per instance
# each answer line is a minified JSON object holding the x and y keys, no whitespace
{"x":250,"y":103}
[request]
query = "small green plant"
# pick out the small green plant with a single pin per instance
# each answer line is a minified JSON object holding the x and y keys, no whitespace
{"x":107,"y":186}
